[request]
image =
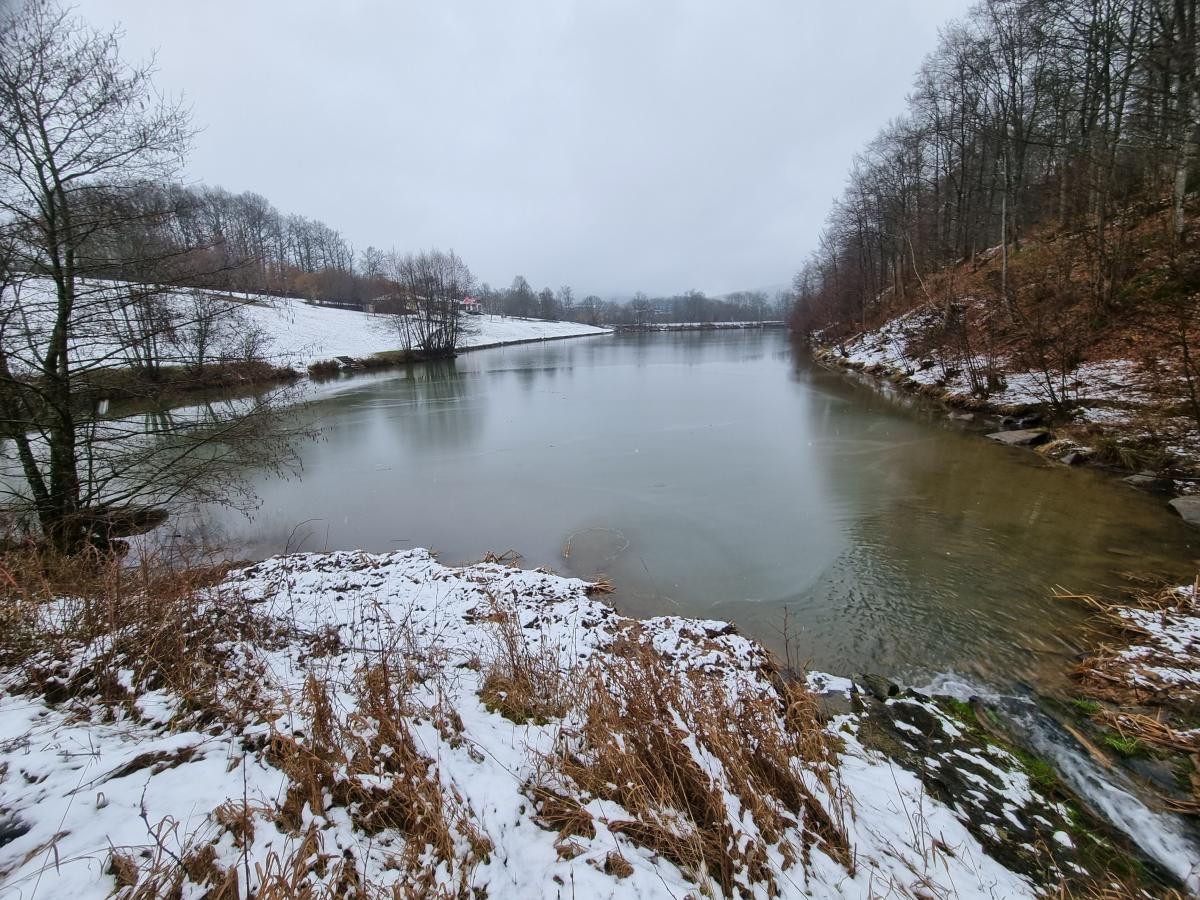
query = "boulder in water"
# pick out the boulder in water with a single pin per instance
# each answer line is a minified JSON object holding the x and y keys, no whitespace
{"x":1150,"y":481}
{"x":1024,"y":437}
{"x":1188,"y":508}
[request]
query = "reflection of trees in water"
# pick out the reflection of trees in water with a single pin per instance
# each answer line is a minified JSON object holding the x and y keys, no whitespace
{"x":527,"y":377}
{"x":531,"y":376}
{"x":955,"y":543}
{"x":441,"y":413}
{"x":530,"y":365}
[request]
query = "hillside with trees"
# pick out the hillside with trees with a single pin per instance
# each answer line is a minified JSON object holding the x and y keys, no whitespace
{"x":1030,"y":217}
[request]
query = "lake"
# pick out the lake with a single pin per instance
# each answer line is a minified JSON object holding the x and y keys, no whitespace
{"x":723,"y":475}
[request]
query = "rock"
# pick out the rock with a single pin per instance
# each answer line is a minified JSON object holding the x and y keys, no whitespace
{"x":966,"y":761}
{"x":1150,"y":481}
{"x":879,"y":687}
{"x":1076,"y":457}
{"x":1024,"y":437}
{"x":1188,"y":508}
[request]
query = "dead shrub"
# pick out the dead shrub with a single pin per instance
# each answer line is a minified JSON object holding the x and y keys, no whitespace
{"x":561,"y":813}
{"x":323,"y":369}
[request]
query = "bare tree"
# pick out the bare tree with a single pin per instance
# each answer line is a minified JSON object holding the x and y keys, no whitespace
{"x":642,"y":310}
{"x":81,"y":133}
{"x":434,"y":284}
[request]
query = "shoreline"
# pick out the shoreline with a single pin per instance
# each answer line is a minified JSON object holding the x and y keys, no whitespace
{"x":1138,"y":679}
{"x":1030,"y":426}
{"x":391,"y":359}
{"x":651,"y":327}
{"x":313,"y":699}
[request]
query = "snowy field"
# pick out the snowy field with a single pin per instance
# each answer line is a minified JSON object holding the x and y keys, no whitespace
{"x":291,"y":784}
{"x":296,"y":332}
{"x":301,"y":333}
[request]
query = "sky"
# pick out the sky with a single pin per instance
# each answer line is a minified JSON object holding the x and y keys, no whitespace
{"x":611,"y":145}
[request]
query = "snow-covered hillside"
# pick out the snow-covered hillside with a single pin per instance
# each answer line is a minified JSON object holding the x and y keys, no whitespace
{"x":302,"y":333}
{"x":296,"y":332}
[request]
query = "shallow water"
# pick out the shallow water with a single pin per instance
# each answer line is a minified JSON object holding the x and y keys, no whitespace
{"x":724,"y":475}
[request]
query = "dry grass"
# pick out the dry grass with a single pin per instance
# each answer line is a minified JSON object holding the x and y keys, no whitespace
{"x":1143,"y":710}
{"x":1113,"y":891}
{"x":357,"y":753}
{"x":632,"y":730}
{"x":1110,"y":672}
{"x":128,"y":629}
{"x":521,"y":683}
{"x":733,"y":788}
{"x":325,"y":368}
{"x":366,"y":760}
{"x":638,"y":722}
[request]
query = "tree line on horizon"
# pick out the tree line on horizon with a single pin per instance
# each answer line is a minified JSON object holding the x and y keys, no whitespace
{"x":641,"y":309}
{"x":207,"y":236}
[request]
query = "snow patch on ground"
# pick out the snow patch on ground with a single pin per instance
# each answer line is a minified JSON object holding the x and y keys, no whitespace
{"x":80,"y":781}
{"x":302,"y":333}
{"x":1165,"y":656}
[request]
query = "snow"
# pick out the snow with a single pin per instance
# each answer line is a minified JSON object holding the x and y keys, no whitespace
{"x":704,"y":326}
{"x":302,"y":333}
{"x":143,"y":780}
{"x":1105,"y":389}
{"x":297,"y":332}
{"x":1166,"y":654}
{"x":822,"y":683}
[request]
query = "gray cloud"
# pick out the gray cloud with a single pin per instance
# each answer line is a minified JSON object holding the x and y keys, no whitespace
{"x":658,"y":145}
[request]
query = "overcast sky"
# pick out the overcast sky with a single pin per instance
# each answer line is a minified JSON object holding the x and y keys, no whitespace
{"x":613,"y":145}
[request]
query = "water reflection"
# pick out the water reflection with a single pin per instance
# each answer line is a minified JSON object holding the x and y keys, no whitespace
{"x":440,"y":414}
{"x":723,"y":474}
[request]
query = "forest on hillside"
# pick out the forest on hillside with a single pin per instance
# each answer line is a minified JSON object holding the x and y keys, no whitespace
{"x":1038,"y":193}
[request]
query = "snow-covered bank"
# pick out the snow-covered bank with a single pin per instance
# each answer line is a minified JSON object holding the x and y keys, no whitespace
{"x":894,"y":348}
{"x":385,"y":720}
{"x":1122,"y":398}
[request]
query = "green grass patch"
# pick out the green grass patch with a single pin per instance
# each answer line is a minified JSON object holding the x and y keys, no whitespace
{"x":1041,"y":773}
{"x":1127,"y":747}
{"x":1085,"y":707}
{"x":1183,"y":768}
{"x":961,"y":711}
